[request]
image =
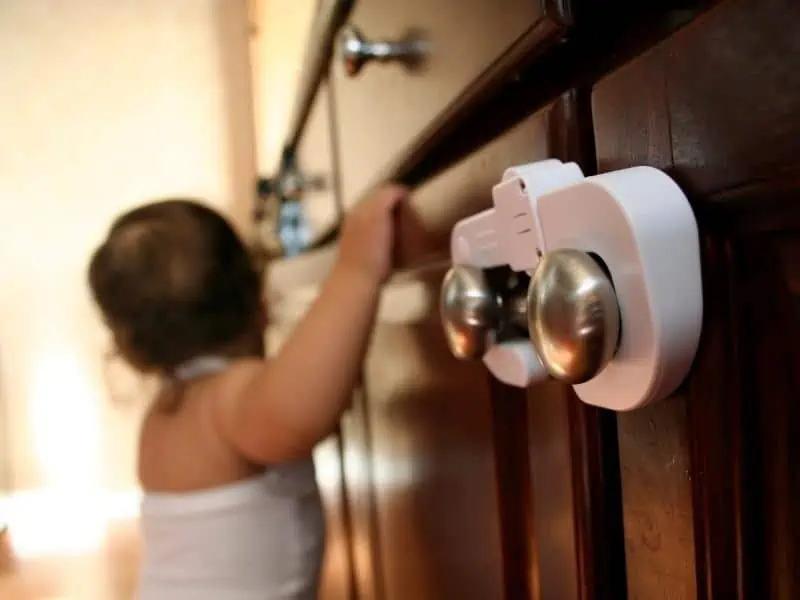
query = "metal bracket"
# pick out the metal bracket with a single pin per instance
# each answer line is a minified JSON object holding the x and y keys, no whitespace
{"x":279,"y":208}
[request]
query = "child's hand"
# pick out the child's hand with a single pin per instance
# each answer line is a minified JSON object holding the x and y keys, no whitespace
{"x":367,"y":238}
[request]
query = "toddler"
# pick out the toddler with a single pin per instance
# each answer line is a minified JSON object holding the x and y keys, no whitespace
{"x":231,"y":509}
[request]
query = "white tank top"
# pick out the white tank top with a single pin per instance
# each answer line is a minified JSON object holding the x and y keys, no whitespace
{"x":261,"y":538}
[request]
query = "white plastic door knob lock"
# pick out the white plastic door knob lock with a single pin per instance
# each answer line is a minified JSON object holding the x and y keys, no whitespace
{"x":639,"y":222}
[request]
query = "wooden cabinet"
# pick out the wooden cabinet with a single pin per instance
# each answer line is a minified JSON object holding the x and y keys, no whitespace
{"x":456,"y":486}
{"x":385,"y":107}
{"x":433,"y":472}
{"x":387,"y":112}
{"x":358,"y":467}
{"x":463,"y":487}
{"x":705,"y":477}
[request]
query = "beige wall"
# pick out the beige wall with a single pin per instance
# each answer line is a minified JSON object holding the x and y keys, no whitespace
{"x":103,"y":104}
{"x":281,"y":35}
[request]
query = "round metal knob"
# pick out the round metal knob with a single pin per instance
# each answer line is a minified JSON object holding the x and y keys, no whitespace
{"x":573,"y":316}
{"x":357,"y":51}
{"x":470,"y":311}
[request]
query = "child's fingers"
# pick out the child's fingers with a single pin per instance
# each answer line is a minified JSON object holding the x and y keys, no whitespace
{"x":391,"y":195}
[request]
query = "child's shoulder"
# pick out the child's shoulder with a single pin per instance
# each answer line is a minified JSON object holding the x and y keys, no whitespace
{"x":226,"y":390}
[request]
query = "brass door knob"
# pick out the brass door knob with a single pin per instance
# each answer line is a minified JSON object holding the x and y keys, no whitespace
{"x":573,"y":316}
{"x":473,"y":312}
{"x":470,"y":312}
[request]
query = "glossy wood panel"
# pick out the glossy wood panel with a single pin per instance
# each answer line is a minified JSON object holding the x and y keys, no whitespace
{"x":435,"y":207}
{"x":748,"y":536}
{"x":533,"y":72}
{"x":572,"y":447}
{"x":657,"y":501}
{"x":425,"y":233}
{"x":337,"y":581}
{"x":360,"y":489}
{"x":598,"y":524}
{"x":556,"y":459}
{"x":716,"y":103}
{"x":552,"y":492}
{"x":520,"y":559}
{"x":654,"y":441}
{"x":432,"y":450}
{"x":385,"y":107}
{"x":767,"y":284}
{"x":718,"y":107}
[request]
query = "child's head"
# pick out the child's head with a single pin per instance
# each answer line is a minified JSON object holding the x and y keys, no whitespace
{"x":173,"y":282}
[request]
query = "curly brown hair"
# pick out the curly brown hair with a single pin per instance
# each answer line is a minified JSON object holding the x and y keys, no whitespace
{"x":173,"y":281}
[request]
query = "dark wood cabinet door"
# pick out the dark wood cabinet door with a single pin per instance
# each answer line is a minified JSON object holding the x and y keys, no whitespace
{"x":358,"y":467}
{"x":420,"y":444}
{"x":432,"y":454}
{"x":456,"y":486}
{"x":473,"y":489}
{"x":337,"y":572}
{"x":708,"y":488}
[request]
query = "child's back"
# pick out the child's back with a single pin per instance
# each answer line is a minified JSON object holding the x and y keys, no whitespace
{"x":231,"y":507}
{"x":216,"y":525}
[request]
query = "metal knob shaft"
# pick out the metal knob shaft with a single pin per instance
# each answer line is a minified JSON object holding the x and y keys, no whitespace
{"x":358,"y":51}
{"x":573,"y":316}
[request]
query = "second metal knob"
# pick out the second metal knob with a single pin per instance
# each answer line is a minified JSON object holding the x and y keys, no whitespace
{"x":573,"y":316}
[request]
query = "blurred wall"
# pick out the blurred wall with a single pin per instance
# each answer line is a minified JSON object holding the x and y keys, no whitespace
{"x":103,"y":104}
{"x":281,"y":34}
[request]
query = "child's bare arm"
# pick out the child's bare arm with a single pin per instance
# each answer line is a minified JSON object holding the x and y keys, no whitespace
{"x":279,"y":410}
